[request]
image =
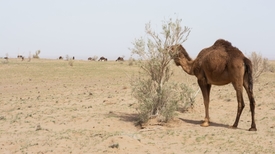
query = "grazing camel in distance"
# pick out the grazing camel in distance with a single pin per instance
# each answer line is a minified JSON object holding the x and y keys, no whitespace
{"x":21,"y":57}
{"x":219,"y":64}
{"x":120,"y":59}
{"x":102,"y":59}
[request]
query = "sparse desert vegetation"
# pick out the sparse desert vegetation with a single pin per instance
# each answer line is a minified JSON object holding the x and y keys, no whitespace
{"x":157,"y":96}
{"x":47,"y":106}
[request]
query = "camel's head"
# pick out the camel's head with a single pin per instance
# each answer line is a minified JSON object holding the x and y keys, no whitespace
{"x":174,"y":52}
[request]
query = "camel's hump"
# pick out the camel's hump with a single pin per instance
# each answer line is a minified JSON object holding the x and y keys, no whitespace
{"x":222,"y":42}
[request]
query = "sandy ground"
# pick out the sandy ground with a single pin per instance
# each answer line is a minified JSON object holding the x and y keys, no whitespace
{"x":48,"y":106}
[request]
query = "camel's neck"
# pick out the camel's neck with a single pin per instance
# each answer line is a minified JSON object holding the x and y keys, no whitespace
{"x":187,"y":66}
{"x":185,"y":61}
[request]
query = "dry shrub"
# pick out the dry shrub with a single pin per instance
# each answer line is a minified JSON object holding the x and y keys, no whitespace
{"x":70,"y":60}
{"x":6,"y":59}
{"x":94,"y":58}
{"x":131,"y":61}
{"x":260,"y":65}
{"x":271,"y":68}
{"x":160,"y":103}
{"x":157,"y":97}
{"x":36,"y":55}
{"x":29,"y":57}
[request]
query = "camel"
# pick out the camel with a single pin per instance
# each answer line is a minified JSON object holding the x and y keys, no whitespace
{"x":219,"y":64}
{"x":102,"y":59}
{"x":21,"y":57}
{"x":120,"y":59}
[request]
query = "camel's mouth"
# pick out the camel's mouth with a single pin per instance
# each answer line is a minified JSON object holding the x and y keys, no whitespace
{"x":172,"y":52}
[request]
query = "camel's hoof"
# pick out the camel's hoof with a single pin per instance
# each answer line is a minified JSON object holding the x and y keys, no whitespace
{"x":233,"y":127}
{"x":253,"y":129}
{"x":205,"y":124}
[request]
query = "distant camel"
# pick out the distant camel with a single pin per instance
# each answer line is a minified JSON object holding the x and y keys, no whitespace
{"x":219,"y":64}
{"x":102,"y":59}
{"x":60,"y":57}
{"x":120,"y":59}
{"x":21,"y":57}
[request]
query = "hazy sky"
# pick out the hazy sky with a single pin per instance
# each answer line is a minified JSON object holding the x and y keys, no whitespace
{"x":84,"y":28}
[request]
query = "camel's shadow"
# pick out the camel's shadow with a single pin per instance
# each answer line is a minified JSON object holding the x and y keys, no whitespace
{"x":133,"y":118}
{"x":198,"y":122}
{"x":127,"y":117}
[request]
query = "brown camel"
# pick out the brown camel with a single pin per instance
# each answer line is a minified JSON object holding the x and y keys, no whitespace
{"x":219,"y":64}
{"x":21,"y":57}
{"x":102,"y":59}
{"x":120,"y":59}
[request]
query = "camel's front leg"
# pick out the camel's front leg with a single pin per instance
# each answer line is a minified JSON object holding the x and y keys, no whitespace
{"x":205,"y":89}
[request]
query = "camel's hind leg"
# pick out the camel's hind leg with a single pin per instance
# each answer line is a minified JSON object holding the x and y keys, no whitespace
{"x":239,"y":92}
{"x":205,"y":89}
{"x":249,"y":91}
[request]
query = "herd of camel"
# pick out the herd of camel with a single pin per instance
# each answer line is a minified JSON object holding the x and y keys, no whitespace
{"x":105,"y":59}
{"x":219,"y":64}
{"x":19,"y":56}
{"x":60,"y":58}
{"x":100,"y":59}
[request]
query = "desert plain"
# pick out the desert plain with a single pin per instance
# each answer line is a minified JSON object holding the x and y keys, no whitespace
{"x":49,"y":106}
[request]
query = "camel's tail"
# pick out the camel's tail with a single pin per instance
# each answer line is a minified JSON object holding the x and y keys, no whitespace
{"x":248,"y":73}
